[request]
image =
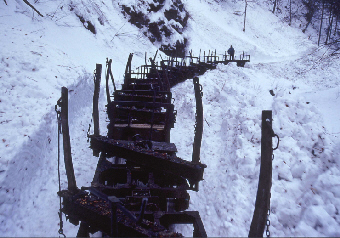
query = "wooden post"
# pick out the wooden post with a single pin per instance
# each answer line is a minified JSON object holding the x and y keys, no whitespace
{"x":199,"y":122}
{"x":265,"y":179}
{"x":95,"y":113}
{"x":83,"y":230}
{"x":165,"y":73}
{"x":153,"y":65}
{"x":108,"y":63}
{"x":96,"y":98}
{"x":128,"y":70}
{"x":71,"y":180}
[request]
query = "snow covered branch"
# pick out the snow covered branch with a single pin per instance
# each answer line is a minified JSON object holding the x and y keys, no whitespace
{"x":25,"y":1}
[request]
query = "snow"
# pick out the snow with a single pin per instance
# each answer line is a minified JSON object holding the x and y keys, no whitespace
{"x":40,"y":55}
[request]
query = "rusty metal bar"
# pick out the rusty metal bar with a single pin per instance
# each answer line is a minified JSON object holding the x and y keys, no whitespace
{"x":265,"y":179}
{"x":71,"y":180}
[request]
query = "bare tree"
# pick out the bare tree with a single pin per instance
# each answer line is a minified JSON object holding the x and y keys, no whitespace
{"x":311,"y":9}
{"x":323,"y":8}
{"x":25,"y":1}
{"x":245,"y":14}
{"x":330,"y":24}
{"x":290,"y":12}
{"x":336,"y":25}
{"x":275,"y":3}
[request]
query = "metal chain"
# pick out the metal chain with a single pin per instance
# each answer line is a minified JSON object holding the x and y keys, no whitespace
{"x":268,"y":212}
{"x":60,"y":231}
{"x":94,"y":76}
{"x":268,"y":223}
{"x":274,"y":135}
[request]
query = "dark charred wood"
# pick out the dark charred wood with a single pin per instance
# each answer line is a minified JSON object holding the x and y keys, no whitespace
{"x":265,"y":179}
{"x":159,"y":161}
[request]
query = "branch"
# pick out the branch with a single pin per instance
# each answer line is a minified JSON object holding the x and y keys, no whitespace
{"x":32,"y":7}
{"x":335,"y":52}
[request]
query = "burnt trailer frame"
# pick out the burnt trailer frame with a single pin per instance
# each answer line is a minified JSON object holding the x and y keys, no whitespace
{"x":140,"y":185}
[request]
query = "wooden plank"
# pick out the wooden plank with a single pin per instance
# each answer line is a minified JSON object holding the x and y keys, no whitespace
{"x":145,"y":157}
{"x":141,"y":126}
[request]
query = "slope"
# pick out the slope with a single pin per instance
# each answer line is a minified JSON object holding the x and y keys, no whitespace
{"x":39,"y":55}
{"x":305,"y":167}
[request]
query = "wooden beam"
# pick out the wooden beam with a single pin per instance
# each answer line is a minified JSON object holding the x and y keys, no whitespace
{"x":96,"y":98}
{"x":262,"y":203}
{"x":72,"y":186}
{"x":199,"y":122}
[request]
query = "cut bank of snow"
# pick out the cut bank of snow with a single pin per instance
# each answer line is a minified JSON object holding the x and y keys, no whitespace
{"x":305,"y":191}
{"x":231,"y":148}
{"x":38,"y":57}
{"x":232,"y":110}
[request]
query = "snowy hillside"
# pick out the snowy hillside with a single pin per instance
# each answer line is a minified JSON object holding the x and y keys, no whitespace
{"x":39,"y":55}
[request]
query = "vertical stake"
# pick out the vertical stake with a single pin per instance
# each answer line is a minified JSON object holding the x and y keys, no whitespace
{"x":96,"y":98}
{"x":71,"y":180}
{"x":265,"y":178}
{"x":199,"y":122}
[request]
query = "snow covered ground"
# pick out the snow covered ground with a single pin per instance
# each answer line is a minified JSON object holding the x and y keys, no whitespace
{"x":40,"y":55}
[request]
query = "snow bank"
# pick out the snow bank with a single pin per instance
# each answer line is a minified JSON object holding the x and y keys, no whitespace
{"x":233,"y":101}
{"x":39,"y":55}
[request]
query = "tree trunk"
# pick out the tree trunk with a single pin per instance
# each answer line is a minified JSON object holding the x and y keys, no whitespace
{"x":245,"y":14}
{"x":304,"y":30}
{"x":336,"y":25}
{"x":25,"y":1}
{"x":290,"y":12}
{"x":329,"y":33}
{"x":309,"y":16}
{"x":275,"y":2}
{"x":323,"y":8}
